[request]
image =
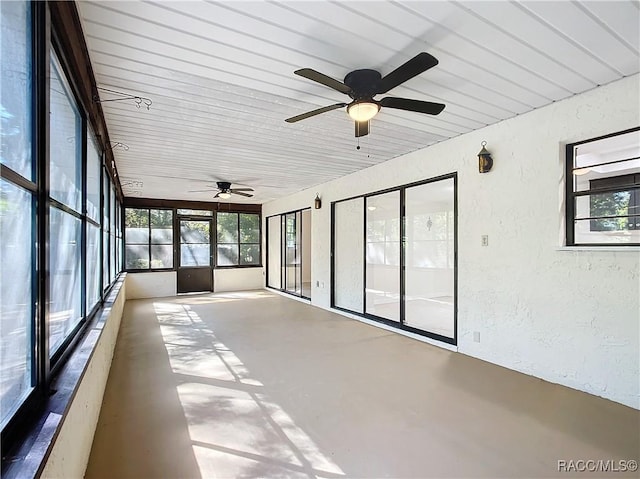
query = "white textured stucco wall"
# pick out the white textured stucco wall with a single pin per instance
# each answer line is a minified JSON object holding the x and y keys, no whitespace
{"x":70,"y":452}
{"x":156,"y":284}
{"x":163,"y":283}
{"x":239,"y":279}
{"x":567,"y":316}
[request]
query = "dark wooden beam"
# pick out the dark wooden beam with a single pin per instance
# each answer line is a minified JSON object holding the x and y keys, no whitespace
{"x":69,"y":37}
{"x":194,"y":205}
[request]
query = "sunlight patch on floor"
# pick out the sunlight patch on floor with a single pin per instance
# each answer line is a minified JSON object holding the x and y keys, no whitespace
{"x":235,"y":431}
{"x":212,"y":298}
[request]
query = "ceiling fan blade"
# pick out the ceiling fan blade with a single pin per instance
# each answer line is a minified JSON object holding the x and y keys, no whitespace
{"x":309,"y":114}
{"x":362,"y":128}
{"x":240,"y":189}
{"x":412,"y":105}
{"x":323,"y":79}
{"x":202,"y":191}
{"x":241,"y":193}
{"x":418,"y":64}
{"x":217,"y":195}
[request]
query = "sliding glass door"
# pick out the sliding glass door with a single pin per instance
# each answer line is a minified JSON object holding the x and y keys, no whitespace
{"x":289,"y":255}
{"x":394,"y":257}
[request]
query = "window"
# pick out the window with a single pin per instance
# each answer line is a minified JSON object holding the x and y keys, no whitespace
{"x":603,"y":190}
{"x":615,"y":210}
{"x":65,"y":141}
{"x":65,"y":253}
{"x":17,"y":251}
{"x":106,"y":188}
{"x":38,"y":326}
{"x":238,"y":239}
{"x":65,"y":309}
{"x":112,"y":234}
{"x":15,"y":94}
{"x":94,"y":163}
{"x":118,"y":236}
{"x":16,"y":313}
{"x":190,"y":212}
{"x":148,"y":239}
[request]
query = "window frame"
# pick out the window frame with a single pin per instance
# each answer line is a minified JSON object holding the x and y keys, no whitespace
{"x":193,"y":206}
{"x":238,"y":243}
{"x":571,"y":194}
{"x":47,"y":36}
{"x":149,"y":241}
{"x":63,"y":350}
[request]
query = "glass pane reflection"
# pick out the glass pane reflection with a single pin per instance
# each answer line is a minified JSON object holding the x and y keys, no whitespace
{"x":16,"y":312}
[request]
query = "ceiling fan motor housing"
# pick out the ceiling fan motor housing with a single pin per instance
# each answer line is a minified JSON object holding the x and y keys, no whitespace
{"x":224,"y":185}
{"x":363,"y":83}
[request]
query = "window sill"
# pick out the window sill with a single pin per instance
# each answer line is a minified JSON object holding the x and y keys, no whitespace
{"x":155,"y":270}
{"x":239,"y":266}
{"x":611,"y":248}
{"x":31,"y":456}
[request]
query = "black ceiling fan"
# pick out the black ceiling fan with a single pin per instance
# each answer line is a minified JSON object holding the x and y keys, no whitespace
{"x":363,"y":85}
{"x":225,"y":191}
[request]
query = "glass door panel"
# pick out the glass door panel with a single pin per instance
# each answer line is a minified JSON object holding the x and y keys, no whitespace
{"x":430,"y":258}
{"x":305,"y":254}
{"x":273,"y":246}
{"x":382,"y":291}
{"x":298,"y":260}
{"x":195,"y":243}
{"x":291,"y":259}
{"x":195,"y":272}
{"x":348,"y":259}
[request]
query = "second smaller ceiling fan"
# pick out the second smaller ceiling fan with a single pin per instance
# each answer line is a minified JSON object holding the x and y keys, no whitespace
{"x":225,"y":191}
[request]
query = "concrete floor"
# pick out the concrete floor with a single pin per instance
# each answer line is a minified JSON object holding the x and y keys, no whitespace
{"x":239,"y":385}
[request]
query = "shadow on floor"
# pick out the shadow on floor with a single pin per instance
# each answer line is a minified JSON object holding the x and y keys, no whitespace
{"x":256,"y":385}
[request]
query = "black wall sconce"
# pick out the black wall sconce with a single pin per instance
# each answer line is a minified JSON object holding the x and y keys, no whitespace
{"x":485,"y":162}
{"x":317,"y":202}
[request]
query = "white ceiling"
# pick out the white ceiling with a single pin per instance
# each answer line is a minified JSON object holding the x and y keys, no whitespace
{"x":220,"y":75}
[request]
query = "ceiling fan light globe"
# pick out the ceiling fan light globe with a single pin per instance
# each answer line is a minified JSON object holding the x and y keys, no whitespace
{"x":363,"y":111}
{"x":224,"y":195}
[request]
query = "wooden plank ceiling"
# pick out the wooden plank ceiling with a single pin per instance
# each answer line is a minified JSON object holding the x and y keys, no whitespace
{"x":220,"y":75}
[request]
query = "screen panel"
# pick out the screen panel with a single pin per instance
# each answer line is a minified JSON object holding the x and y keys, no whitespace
{"x":274,"y":241}
{"x":382,"y":291}
{"x":430,"y":257}
{"x":349,"y":255}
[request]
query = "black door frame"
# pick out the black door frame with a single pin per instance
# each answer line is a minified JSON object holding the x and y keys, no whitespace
{"x":395,"y":324}
{"x":299,"y":249}
{"x":178,"y":253}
